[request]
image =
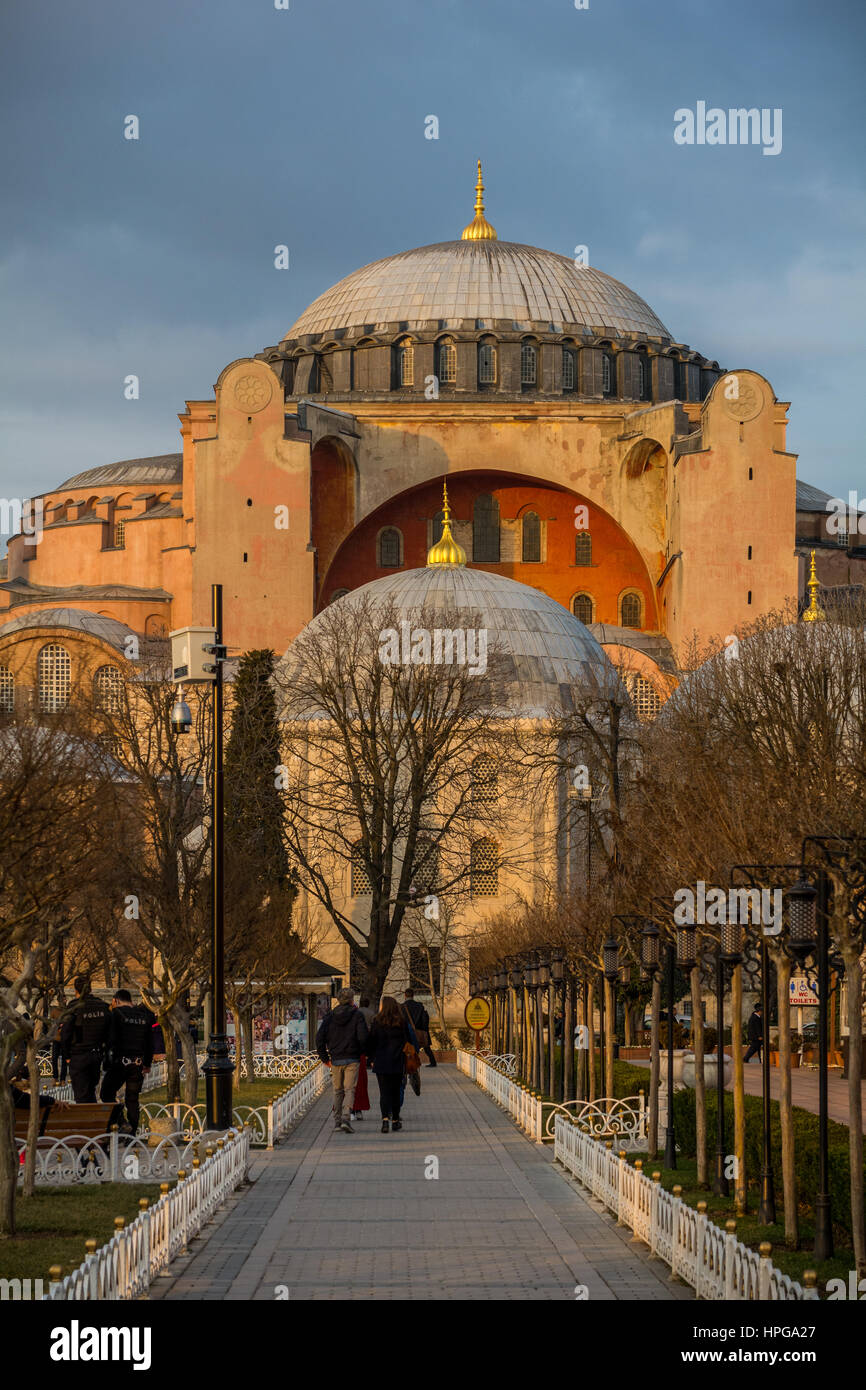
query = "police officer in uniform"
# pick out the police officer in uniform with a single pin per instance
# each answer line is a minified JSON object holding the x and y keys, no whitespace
{"x":82,"y":1040}
{"x":130,"y":1053}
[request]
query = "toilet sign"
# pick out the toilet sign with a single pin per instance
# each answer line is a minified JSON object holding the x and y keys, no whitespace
{"x":477,"y":1013}
{"x":802,"y":994}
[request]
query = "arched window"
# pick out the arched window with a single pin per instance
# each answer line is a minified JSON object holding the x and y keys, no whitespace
{"x":528,"y":364}
{"x":487,"y":363}
{"x":645,"y":698}
{"x":120,"y":535}
{"x":405,"y":363}
{"x":568,"y":371}
{"x":7,"y":691}
{"x":54,"y":674}
{"x":360,"y":877}
{"x":154,"y":625}
{"x":581,"y":607}
{"x":338,"y":593}
{"x":485,"y":530}
{"x":630,"y":610}
{"x":608,"y":375}
{"x":531,"y":539}
{"x":107,"y":690}
{"x":484,"y":869}
{"x":484,"y":778}
{"x":447,"y":362}
{"x":390,"y":548}
{"x":326,"y":375}
{"x":583,"y":548}
{"x":643,"y":377}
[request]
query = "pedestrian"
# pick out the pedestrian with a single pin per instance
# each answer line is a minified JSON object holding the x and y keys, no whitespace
{"x":130,"y":1053}
{"x":341,"y":1042}
{"x":755,"y":1034}
{"x":83,"y":1037}
{"x":362,"y":1094}
{"x":420,"y":1022}
{"x":391,"y":1033}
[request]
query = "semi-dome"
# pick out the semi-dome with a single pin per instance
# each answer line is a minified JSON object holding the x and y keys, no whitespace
{"x":451,"y":281}
{"x":72,"y":620}
{"x":544,"y":650}
{"x":162,"y":468}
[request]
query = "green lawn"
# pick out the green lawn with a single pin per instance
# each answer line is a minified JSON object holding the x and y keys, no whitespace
{"x":254,"y":1093}
{"x":54,"y":1224}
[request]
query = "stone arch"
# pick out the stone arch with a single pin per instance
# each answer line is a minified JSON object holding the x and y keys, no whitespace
{"x":332,"y":491}
{"x":644,"y":454}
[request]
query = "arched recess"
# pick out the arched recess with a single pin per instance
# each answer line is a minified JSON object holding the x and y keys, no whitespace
{"x":642,"y":456}
{"x":332,"y":489}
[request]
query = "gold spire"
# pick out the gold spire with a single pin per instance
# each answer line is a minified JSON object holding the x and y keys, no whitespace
{"x":813,"y":613}
{"x":479,"y":228}
{"x":446,"y":551}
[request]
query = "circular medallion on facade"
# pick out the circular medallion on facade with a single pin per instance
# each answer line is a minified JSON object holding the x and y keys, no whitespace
{"x":742,"y":397}
{"x":252,"y":393}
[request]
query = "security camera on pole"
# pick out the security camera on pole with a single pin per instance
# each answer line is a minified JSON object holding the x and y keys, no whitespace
{"x":197,"y":657}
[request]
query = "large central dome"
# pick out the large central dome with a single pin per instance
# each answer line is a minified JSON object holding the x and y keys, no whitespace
{"x":452,"y":281}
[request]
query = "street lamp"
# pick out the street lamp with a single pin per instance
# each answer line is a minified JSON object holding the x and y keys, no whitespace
{"x":729,"y":953}
{"x":808,"y":910}
{"x":566,"y":1070}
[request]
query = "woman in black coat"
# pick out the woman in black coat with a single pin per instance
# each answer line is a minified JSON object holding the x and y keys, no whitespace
{"x":390,"y":1031}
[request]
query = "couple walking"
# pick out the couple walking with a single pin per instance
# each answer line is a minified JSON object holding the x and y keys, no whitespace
{"x":390,"y":1039}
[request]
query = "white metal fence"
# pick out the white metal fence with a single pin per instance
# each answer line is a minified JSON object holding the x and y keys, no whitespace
{"x":513,"y":1096}
{"x":74,"y":1159}
{"x":712,"y":1261}
{"x":267,"y":1122}
{"x":126,"y":1266}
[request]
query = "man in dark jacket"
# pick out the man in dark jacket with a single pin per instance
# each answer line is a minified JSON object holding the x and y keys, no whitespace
{"x":130,"y":1053}
{"x":420,"y":1022}
{"x":82,"y":1039}
{"x":340,"y":1042}
{"x":755,"y":1034}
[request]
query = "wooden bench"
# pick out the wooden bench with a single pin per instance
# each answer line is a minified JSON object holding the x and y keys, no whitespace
{"x":87,"y":1120}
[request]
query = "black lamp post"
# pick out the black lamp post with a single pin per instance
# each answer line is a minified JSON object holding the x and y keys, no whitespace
{"x":534,"y":1028}
{"x":808,"y":934}
{"x":548,"y":1061}
{"x":729,"y":953}
{"x":566,"y":1070}
{"x":515,"y":980}
{"x":610,"y":971}
{"x":217,"y":1068}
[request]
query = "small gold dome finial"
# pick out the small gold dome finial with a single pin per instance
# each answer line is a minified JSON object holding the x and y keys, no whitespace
{"x":446,"y":551}
{"x":813,"y":614}
{"x":479,"y":228}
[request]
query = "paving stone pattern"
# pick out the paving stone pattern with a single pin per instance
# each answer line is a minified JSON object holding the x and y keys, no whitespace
{"x":352,"y":1216}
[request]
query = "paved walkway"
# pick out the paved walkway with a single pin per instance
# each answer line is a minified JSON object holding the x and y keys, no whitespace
{"x":804,"y":1088}
{"x":352,"y":1216}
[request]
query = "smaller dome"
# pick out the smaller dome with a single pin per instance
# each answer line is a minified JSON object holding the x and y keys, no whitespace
{"x":162,"y":468}
{"x":73,"y":620}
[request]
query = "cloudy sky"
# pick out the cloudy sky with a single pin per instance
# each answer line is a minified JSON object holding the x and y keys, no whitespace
{"x":305,"y":126}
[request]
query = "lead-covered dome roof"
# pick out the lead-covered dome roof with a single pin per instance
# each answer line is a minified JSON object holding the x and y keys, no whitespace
{"x":541,"y":648}
{"x":449,"y":282}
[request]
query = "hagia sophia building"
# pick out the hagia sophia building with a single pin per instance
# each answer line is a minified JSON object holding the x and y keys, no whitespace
{"x":589,"y":454}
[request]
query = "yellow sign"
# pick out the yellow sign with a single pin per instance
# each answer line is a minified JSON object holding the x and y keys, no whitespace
{"x":477,"y":1013}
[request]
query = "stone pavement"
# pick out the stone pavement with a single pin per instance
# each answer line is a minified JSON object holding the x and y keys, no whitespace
{"x":352,"y":1216}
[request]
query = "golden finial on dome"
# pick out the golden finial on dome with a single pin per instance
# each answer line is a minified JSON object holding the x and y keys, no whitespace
{"x":479,"y":228}
{"x":813,"y":614}
{"x":446,"y":551}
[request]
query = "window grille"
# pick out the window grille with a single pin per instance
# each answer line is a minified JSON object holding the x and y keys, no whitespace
{"x":120,"y":535}
{"x":424,"y":962}
{"x":487,"y":364}
{"x":581,"y":607}
{"x":567,"y":369}
{"x":484,"y":778}
{"x":426,"y":867}
{"x":389,"y":548}
{"x":630,"y":610}
{"x":484,"y":869}
{"x":107,"y":688}
{"x":528,"y":364}
{"x":407,"y":364}
{"x":583,"y":548}
{"x":361,"y":882}
{"x":606,"y":376}
{"x":54,"y":672}
{"x":645,"y":698}
{"x":485,"y":530}
{"x":7,"y":691}
{"x":447,"y":362}
{"x":531,"y":539}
